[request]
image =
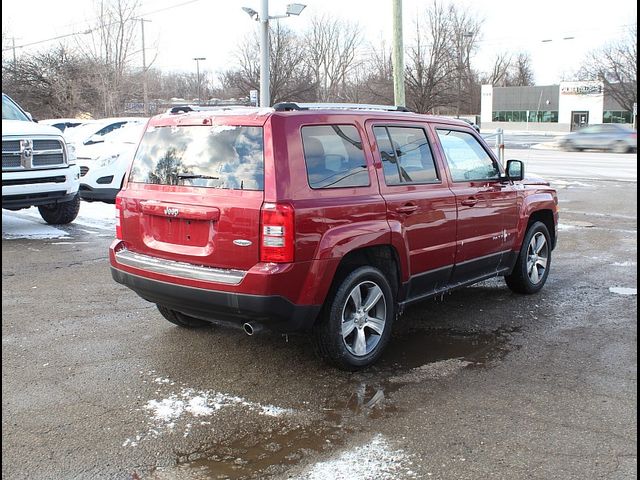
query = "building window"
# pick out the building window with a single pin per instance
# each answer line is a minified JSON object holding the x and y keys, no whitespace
{"x":545,"y":116}
{"x":616,"y":116}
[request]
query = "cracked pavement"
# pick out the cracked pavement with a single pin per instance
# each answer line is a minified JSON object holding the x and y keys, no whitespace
{"x":482,"y":383}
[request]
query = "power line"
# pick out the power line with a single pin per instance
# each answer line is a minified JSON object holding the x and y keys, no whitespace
{"x":88,"y":31}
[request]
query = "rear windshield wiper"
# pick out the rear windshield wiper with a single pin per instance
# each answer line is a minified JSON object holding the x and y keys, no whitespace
{"x":195,"y":175}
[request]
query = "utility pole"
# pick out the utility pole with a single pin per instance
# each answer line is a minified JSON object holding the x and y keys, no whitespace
{"x":460,"y":47}
{"x":145,"y":91}
{"x":13,"y":42}
{"x":263,"y":18}
{"x":197,"y":59}
{"x":398,"y":55}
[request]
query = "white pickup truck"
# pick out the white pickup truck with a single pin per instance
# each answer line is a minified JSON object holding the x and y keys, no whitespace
{"x":37,"y":167}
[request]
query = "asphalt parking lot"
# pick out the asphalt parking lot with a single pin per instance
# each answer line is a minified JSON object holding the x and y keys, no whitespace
{"x":481,"y":383}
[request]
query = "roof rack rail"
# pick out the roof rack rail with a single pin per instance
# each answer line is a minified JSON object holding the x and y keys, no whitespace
{"x":289,"y":106}
{"x":202,"y":108}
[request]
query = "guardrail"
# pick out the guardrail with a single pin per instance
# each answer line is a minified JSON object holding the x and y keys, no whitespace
{"x":499,"y":143}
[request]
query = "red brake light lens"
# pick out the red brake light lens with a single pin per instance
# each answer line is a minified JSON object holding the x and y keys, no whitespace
{"x":277,"y":233}
{"x":119,"y":215}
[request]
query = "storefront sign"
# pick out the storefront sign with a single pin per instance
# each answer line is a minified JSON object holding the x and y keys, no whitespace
{"x":582,"y":89}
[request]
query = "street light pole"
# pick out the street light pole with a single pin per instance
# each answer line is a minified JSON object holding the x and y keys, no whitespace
{"x":197,"y":59}
{"x":145,"y":91}
{"x":263,"y":18}
{"x":460,"y":46}
{"x":265,"y":95}
{"x":398,"y":55}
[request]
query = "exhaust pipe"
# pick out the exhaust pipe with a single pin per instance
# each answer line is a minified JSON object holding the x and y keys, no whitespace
{"x":250,"y":329}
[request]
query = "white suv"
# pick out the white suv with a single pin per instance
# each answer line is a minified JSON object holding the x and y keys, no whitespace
{"x":36,"y":167}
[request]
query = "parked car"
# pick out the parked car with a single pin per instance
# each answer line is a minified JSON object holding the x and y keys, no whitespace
{"x":102,"y":175}
{"x":38,"y":167}
{"x":322,"y":219}
{"x":607,"y":136}
{"x":472,"y":123}
{"x":63,"y":123}
{"x":94,"y":131}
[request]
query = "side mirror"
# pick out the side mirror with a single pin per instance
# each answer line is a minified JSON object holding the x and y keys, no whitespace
{"x":30,"y":117}
{"x":515,"y":170}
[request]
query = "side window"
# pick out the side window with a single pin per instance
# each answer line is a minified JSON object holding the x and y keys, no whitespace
{"x":334,"y":157}
{"x":466,"y":158}
{"x":410,"y":159}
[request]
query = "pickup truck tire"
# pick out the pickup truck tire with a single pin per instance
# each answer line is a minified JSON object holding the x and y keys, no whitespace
{"x":355,"y":324}
{"x":532,"y":267}
{"x":61,"y":213}
{"x":181,"y":319}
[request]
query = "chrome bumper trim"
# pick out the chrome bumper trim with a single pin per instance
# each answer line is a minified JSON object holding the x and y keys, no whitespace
{"x":179,"y":269}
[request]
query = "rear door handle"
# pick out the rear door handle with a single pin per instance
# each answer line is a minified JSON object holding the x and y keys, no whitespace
{"x":409,"y":208}
{"x":469,"y":202}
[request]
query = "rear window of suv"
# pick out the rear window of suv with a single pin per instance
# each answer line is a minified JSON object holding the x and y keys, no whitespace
{"x":220,"y":156}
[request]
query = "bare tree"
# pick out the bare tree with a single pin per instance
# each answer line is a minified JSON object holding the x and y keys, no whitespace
{"x":465,"y":31}
{"x":500,"y":71}
{"x":510,"y":71}
{"x":430,"y":65}
{"x":332,"y":47}
{"x":521,"y":72}
{"x":290,"y":78}
{"x":52,"y":83}
{"x":616,"y":65}
{"x":111,"y":45}
{"x":377,"y":76}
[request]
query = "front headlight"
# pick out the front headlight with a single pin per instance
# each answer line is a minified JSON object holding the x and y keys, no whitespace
{"x":71,"y":154}
{"x":107,"y":160}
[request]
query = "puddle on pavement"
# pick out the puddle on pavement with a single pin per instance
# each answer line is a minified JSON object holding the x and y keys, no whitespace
{"x":264,"y":454}
{"x":416,"y":348}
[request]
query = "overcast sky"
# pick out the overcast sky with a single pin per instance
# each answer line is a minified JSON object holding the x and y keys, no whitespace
{"x":183,"y":29}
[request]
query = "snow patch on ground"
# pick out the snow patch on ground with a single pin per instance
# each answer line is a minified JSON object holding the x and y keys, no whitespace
{"x":178,"y":410}
{"x":624,"y":264}
{"x":623,"y":290}
{"x":374,"y":461}
{"x":97,"y":215}
{"x":13,"y":227}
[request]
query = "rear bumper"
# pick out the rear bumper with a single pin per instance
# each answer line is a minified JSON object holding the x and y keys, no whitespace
{"x":271,"y":311}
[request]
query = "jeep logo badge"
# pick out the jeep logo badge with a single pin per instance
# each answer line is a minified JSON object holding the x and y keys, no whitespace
{"x":171,"y":212}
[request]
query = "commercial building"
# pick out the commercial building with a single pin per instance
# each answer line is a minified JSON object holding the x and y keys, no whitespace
{"x":554,"y":108}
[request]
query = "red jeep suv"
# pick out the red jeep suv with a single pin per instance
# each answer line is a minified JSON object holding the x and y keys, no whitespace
{"x":327,"y":219}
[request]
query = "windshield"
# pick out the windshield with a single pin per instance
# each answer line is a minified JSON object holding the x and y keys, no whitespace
{"x":226,"y":157}
{"x":11,"y":111}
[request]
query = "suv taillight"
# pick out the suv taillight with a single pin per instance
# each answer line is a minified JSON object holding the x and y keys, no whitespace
{"x":277,"y":233}
{"x":119,"y":215}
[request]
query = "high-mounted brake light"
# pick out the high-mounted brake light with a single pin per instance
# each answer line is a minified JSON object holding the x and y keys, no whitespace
{"x":119,"y":217}
{"x":277,"y":234}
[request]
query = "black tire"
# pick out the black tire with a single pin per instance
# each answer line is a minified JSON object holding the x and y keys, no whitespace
{"x":61,"y":213}
{"x":619,"y":147}
{"x":523,"y":279}
{"x":180,"y":319}
{"x":328,"y":338}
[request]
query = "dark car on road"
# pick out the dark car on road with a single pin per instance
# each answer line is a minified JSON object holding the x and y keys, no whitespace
{"x":326,"y":219}
{"x":608,"y":136}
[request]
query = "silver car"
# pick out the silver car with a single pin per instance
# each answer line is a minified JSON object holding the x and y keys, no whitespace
{"x":608,"y":136}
